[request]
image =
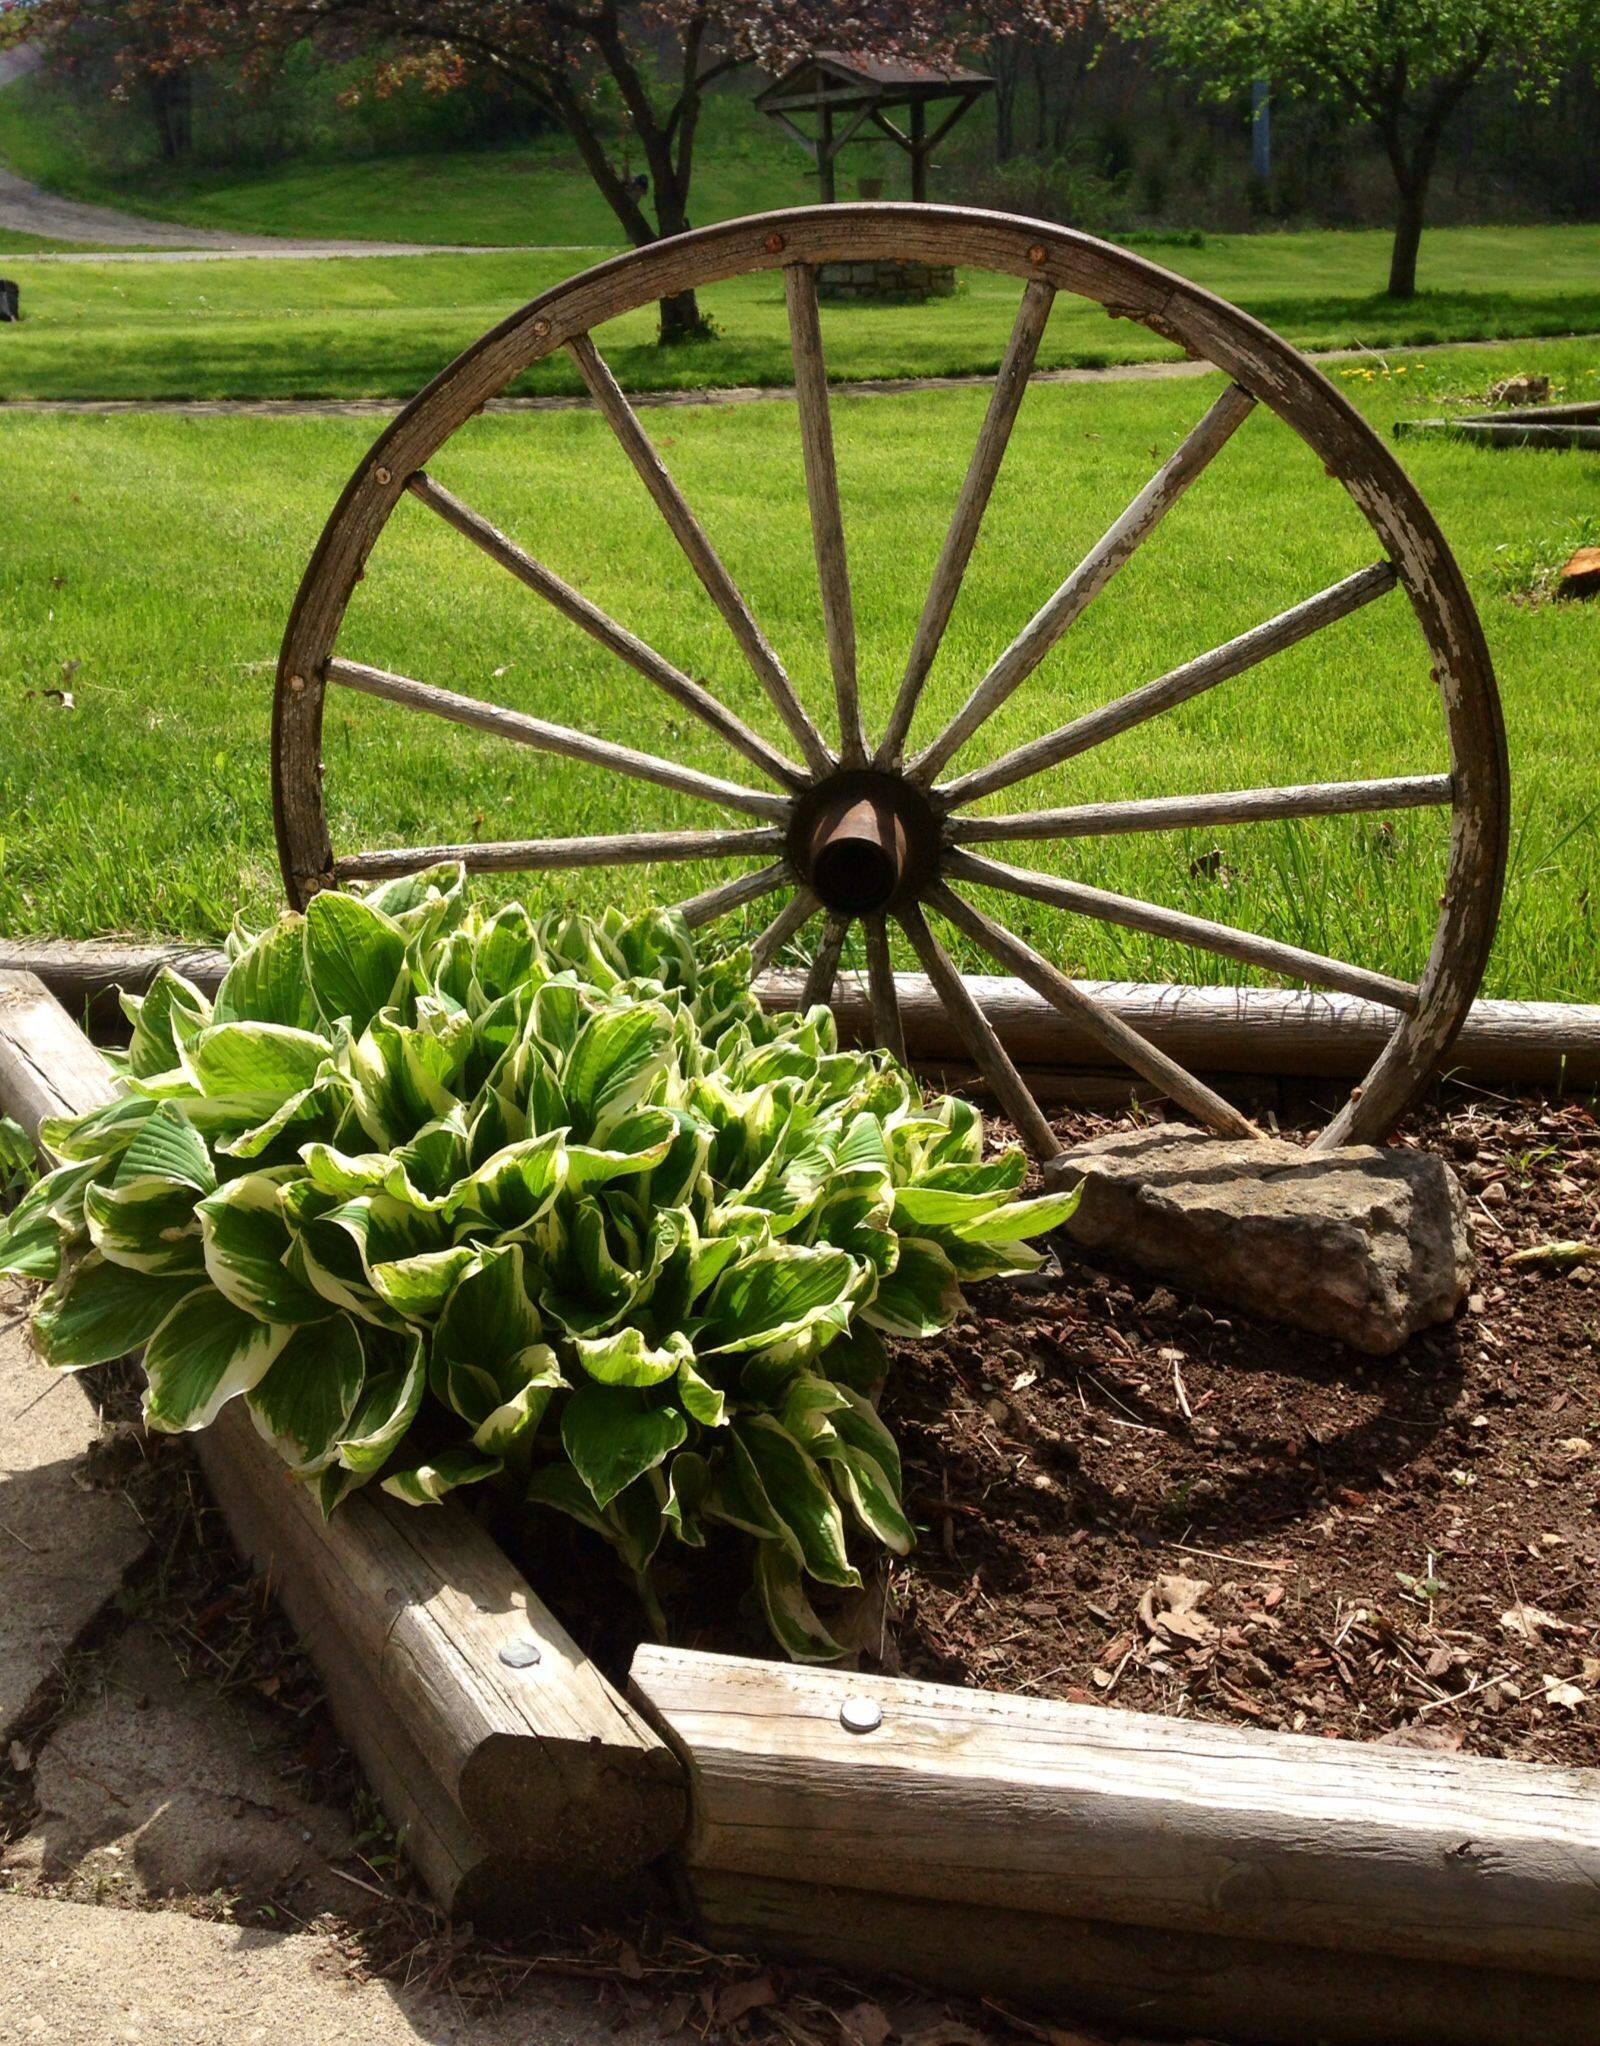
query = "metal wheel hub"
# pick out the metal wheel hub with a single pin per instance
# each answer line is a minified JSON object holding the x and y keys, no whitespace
{"x":864,"y":839}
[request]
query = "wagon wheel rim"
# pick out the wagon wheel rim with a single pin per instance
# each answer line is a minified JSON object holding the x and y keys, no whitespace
{"x":864,"y":831}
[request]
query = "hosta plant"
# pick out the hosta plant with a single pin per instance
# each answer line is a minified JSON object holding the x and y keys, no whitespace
{"x":449,"y":1196}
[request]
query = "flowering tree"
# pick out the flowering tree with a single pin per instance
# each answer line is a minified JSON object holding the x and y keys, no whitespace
{"x":575,"y":60}
{"x":1404,"y":66}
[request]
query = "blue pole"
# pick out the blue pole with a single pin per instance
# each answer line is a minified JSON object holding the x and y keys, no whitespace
{"x":1261,"y":130}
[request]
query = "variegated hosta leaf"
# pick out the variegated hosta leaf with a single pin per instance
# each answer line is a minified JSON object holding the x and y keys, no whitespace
{"x":268,"y":982}
{"x":98,"y":1311}
{"x":921,"y":1296}
{"x":625,"y":1358}
{"x":304,"y":1403}
{"x":206,"y":1351}
{"x":149,"y":1225}
{"x":427,"y":1483}
{"x":247,"y":1243}
{"x":613,"y":1434}
{"x":786,"y":1301}
{"x":255,"y":1063}
{"x":163,"y":1021}
{"x":800,"y":1496}
{"x":354,"y":953}
{"x":790,"y":1614}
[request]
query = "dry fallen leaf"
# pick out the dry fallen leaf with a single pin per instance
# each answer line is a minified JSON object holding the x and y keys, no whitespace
{"x":740,"y":1998}
{"x":1556,"y":1692}
{"x":1528,"y":1623}
{"x":864,"y":2024}
{"x":1170,"y":1611}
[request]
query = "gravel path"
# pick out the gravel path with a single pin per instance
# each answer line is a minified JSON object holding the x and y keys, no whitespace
{"x":736,"y":394}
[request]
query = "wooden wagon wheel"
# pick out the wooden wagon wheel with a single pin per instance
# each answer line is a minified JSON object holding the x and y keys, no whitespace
{"x":860,"y":830}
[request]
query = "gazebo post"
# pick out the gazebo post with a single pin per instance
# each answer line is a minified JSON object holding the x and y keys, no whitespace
{"x":825,"y":153}
{"x":919,"y":150}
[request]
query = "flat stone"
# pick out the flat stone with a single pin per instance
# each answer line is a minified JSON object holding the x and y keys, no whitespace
{"x":78,"y":1975}
{"x":159,"y":1785}
{"x":1363,"y":1245}
{"x":64,"y":1547}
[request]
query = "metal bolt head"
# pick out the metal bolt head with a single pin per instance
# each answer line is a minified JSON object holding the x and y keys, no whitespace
{"x":541,"y":328}
{"x":861,"y":1715}
{"x":520,"y":1652}
{"x":297,"y":685}
{"x":383,"y":475}
{"x":1037,"y":253}
{"x":774,"y":244}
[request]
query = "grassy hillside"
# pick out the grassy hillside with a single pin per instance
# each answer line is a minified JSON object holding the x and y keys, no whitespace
{"x":532,"y":194}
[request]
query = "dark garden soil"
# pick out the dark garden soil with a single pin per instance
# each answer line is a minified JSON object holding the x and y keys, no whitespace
{"x":1134,"y":1500}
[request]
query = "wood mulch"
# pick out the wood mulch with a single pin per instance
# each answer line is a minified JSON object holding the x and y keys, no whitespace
{"x":1138,"y":1501}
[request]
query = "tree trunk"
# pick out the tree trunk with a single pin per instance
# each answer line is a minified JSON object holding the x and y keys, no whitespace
{"x":682,"y":320}
{"x":1408,"y":235}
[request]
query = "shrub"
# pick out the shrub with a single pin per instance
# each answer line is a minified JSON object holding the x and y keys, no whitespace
{"x":449,"y":1196}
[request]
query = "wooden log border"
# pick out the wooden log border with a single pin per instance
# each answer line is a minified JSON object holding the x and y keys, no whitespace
{"x":1147,"y":1872}
{"x":1282,"y":1033}
{"x":522,"y":1783}
{"x":1151,"y":1873}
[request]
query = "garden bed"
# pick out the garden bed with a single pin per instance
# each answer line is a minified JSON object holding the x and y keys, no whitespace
{"x":1402,"y":1549}
{"x":1146,"y":1870}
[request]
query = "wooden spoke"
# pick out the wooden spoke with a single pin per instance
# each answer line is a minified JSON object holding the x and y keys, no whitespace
{"x":1184,"y":929}
{"x":711,"y":903}
{"x":702,"y":557}
{"x":990,"y":1055}
{"x":636,"y":849}
{"x":822,"y":490}
{"x":1010,"y":385}
{"x":1095,"y":727}
{"x":795,"y":914}
{"x":825,"y":964}
{"x":548,"y":738}
{"x":613,"y":637}
{"x":1099,"y":1022}
{"x":886,"y":1024}
{"x":1230,"y":806}
{"x":1096,"y":569}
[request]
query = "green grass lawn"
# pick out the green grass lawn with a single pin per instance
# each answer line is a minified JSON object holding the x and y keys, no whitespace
{"x":380,"y":327}
{"x":152,"y":561}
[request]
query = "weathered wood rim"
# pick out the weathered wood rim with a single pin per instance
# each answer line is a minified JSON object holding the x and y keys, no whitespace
{"x":1262,"y":369}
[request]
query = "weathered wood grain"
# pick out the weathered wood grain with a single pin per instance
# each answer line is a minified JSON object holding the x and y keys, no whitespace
{"x":539,"y":733}
{"x":702,"y":557}
{"x":619,"y":849}
{"x":1093,"y":1017}
{"x":822,"y":492}
{"x":1130,"y":1980}
{"x":1000,"y":1803}
{"x":1291,"y":1032}
{"x":1249,"y":947}
{"x":1218,"y":807}
{"x":1010,"y":387}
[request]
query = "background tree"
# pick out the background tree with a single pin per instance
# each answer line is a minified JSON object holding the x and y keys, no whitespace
{"x":626,"y":79}
{"x":1405,"y":66}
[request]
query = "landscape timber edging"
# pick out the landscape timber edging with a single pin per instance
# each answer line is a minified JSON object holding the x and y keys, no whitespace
{"x":1249,"y":1031}
{"x":1133,"y":1869}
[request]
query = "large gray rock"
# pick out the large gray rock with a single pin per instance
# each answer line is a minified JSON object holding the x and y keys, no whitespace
{"x":64,"y":1547}
{"x":1363,"y":1245}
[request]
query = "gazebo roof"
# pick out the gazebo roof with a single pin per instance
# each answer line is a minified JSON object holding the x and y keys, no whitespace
{"x":837,"y":80}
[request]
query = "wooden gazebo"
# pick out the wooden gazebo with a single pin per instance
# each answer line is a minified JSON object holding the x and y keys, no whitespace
{"x":845,"y":94}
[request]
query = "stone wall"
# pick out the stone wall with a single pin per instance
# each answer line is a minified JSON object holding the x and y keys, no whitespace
{"x":915,"y":281}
